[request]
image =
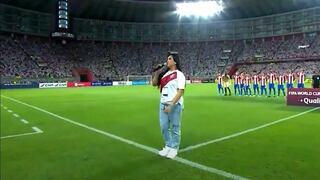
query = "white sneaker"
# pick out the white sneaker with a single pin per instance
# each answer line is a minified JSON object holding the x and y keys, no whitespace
{"x":164,"y":152}
{"x":172,"y":153}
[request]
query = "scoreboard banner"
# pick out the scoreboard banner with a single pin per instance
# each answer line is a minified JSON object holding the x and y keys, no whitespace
{"x":304,"y":97}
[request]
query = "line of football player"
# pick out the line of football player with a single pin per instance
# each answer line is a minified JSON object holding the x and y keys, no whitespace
{"x":262,"y":84}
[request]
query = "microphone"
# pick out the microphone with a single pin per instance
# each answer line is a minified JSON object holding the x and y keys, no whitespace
{"x":159,"y":66}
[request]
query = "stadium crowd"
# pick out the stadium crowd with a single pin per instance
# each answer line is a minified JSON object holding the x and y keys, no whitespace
{"x":35,"y":57}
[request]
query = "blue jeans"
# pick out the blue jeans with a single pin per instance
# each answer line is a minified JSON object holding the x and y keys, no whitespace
{"x":170,"y":124}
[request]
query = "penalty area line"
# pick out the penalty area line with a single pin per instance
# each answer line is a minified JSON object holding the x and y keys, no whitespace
{"x":35,"y":129}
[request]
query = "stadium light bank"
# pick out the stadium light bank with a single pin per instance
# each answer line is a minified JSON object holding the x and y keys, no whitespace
{"x":203,"y":9}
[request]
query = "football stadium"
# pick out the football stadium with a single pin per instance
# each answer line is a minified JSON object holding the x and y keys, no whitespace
{"x":160,"y":89}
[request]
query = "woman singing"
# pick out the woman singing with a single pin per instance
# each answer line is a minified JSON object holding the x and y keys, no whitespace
{"x":171,"y":82}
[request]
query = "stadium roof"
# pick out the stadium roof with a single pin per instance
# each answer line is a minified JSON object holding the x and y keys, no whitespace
{"x":161,"y":10}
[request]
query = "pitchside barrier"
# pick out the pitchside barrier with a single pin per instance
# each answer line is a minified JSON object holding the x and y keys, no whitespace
{"x":78,"y":84}
{"x":52,"y":85}
{"x":121,"y":83}
{"x":141,"y":82}
{"x":18,"y":85}
{"x":303,"y":97}
{"x":101,"y":83}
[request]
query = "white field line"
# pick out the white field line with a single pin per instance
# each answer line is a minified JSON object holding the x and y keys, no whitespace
{"x":15,"y":115}
{"x":189,"y":148}
{"x":140,"y":146}
{"x":9,"y":111}
{"x":24,"y":121}
{"x":35,"y":129}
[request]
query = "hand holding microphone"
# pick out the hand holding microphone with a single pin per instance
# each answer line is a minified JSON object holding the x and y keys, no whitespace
{"x":159,"y":66}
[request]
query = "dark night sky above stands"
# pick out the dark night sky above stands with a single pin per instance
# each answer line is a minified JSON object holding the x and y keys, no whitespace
{"x":161,"y":10}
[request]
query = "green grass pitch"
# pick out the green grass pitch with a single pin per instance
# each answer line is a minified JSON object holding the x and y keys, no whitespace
{"x":65,"y":151}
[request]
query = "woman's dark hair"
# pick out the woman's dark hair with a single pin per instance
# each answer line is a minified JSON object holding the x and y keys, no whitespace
{"x":175,"y":56}
{"x":176,"y":59}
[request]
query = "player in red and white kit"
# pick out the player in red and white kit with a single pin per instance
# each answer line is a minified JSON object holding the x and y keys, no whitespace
{"x":236,"y":79}
{"x":290,"y":78}
{"x":281,"y":82}
{"x":220,"y":87}
{"x":247,"y":82}
{"x":301,"y":79}
{"x":242,"y":78}
{"x":263,"y":84}
{"x":271,"y":79}
{"x":255,"y":81}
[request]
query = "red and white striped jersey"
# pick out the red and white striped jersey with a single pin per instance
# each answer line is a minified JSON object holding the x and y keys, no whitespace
{"x":290,"y":78}
{"x":170,"y":83}
{"x":263,"y":80}
{"x":242,"y":79}
{"x":219,"y":79}
{"x":281,"y":80}
{"x":301,"y":78}
{"x":271,"y":78}
{"x":236,"y":79}
{"x":255,"y":79}
{"x":247,"y":81}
